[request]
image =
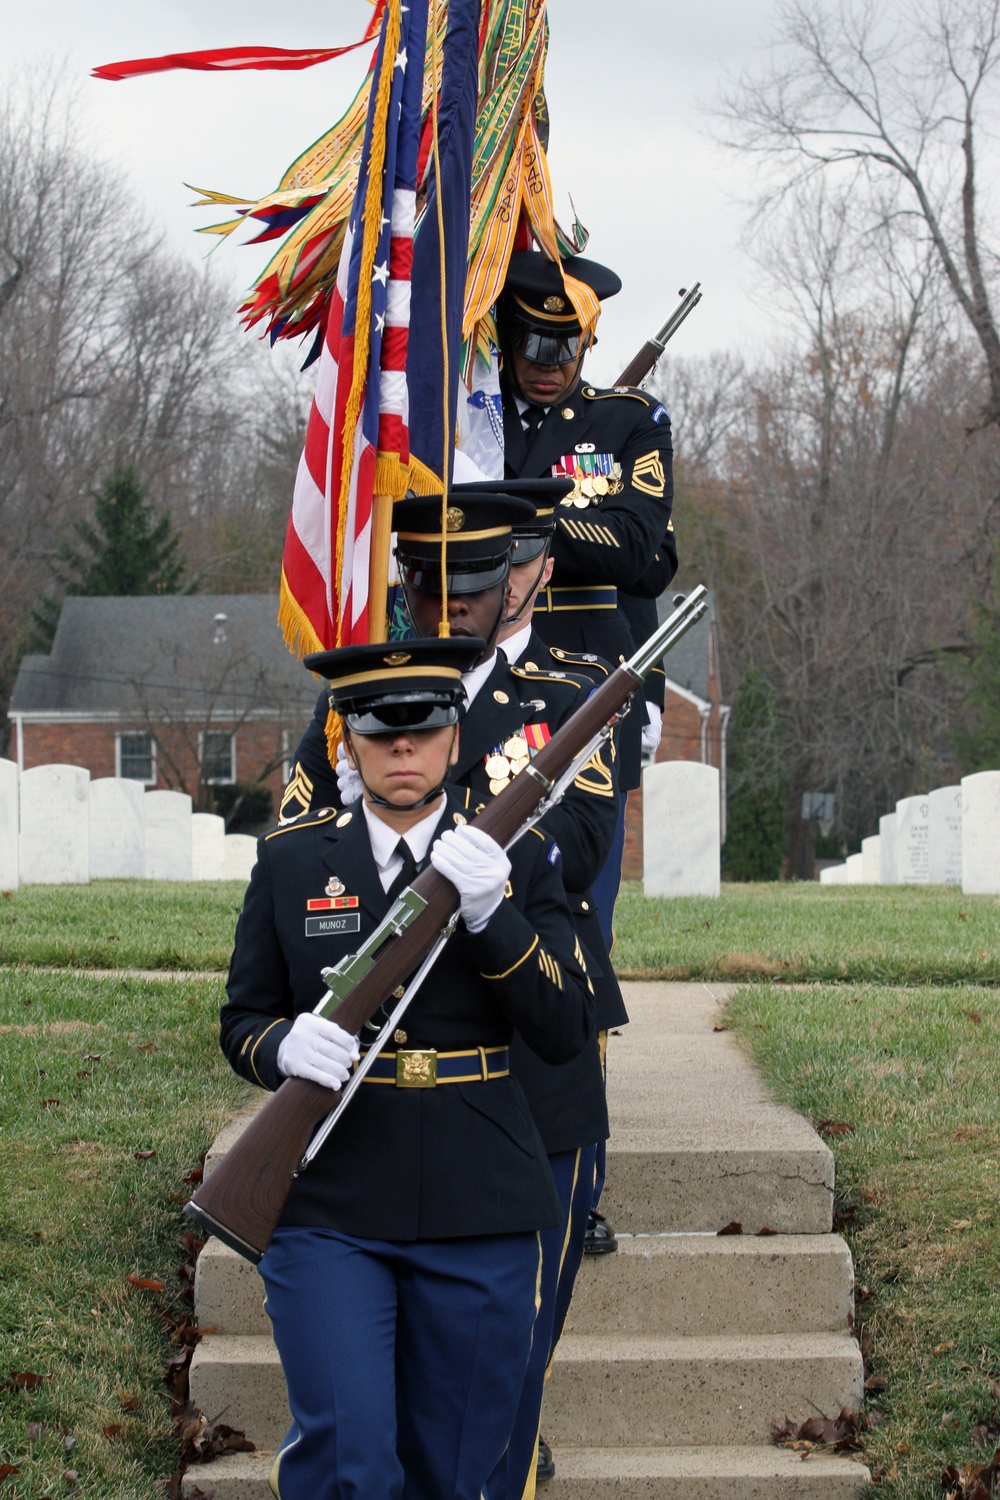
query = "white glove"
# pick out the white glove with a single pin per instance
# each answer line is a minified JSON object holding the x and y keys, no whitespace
{"x":651,"y":732}
{"x":348,"y":780}
{"x":318,"y":1049}
{"x":478,"y":869}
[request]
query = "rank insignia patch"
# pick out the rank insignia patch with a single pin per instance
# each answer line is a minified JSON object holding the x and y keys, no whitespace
{"x":648,"y":475}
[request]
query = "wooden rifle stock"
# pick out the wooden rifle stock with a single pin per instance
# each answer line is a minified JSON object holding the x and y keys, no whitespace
{"x":242,"y":1200}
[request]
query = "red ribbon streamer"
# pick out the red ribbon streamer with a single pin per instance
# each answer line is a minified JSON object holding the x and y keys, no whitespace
{"x":228,"y":59}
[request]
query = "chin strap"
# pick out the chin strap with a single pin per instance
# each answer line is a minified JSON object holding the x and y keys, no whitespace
{"x":528,"y":602}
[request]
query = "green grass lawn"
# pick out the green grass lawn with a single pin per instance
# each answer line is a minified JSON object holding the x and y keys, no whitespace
{"x":134,"y":1066}
{"x":122,"y":924}
{"x":92,"y":1072}
{"x":914,"y":1073}
{"x":886,"y":934}
{"x":890,"y":935}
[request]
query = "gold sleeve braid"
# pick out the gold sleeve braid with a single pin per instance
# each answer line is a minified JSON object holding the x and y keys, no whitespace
{"x":550,"y":968}
{"x":585,"y":531}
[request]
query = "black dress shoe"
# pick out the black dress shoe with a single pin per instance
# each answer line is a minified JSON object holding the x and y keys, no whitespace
{"x":600,"y":1237}
{"x":545,"y":1467}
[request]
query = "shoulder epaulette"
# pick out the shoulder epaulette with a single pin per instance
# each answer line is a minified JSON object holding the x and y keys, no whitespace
{"x":537,"y":675}
{"x":580,"y":659}
{"x":312,"y":818}
{"x":591,"y":393}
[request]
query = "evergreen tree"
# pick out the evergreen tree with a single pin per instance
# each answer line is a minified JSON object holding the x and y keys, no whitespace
{"x":977,"y":740}
{"x":124,"y":550}
{"x":756,"y":807}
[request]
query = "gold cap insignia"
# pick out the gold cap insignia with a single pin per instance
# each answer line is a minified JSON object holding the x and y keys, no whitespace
{"x":554,"y":304}
{"x":397,"y":659}
{"x":334,"y":886}
{"x":454,"y":518}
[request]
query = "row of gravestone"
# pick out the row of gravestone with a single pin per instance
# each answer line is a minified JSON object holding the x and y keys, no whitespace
{"x":57,"y":827}
{"x":950,"y":836}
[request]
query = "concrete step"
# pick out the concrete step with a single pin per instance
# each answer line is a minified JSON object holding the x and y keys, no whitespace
{"x":627,"y":1391}
{"x":605,"y":1392}
{"x":697,"y":1141}
{"x":670,"y":1286}
{"x":712,"y":1473}
{"x":676,"y":1286}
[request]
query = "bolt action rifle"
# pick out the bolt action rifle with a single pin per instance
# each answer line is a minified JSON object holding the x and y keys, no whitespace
{"x":241,"y":1202}
{"x":639,"y":367}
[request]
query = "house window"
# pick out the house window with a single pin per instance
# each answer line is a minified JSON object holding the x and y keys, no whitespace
{"x":137,"y":758}
{"x":218,"y":759}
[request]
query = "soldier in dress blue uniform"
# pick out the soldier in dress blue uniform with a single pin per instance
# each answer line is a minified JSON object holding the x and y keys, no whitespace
{"x":401,"y":1279}
{"x":514,"y":707}
{"x":613,"y":532}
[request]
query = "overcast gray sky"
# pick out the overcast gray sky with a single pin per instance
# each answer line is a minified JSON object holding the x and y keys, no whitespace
{"x":624,"y":78}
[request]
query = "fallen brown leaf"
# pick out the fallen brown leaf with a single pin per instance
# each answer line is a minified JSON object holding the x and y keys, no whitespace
{"x":834,"y":1127}
{"x":143,"y":1155}
{"x":145,"y":1284}
{"x":734,"y":1227}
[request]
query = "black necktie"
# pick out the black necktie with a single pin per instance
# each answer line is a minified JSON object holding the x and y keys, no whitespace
{"x":407,"y":874}
{"x":532,"y":418}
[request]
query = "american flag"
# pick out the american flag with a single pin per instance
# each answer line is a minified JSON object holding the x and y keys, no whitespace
{"x":357,"y":417}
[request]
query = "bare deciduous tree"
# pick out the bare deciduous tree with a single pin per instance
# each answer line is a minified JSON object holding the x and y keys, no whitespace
{"x":898,"y":101}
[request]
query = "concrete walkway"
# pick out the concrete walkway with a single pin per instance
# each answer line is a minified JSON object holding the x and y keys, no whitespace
{"x":683,"y":1349}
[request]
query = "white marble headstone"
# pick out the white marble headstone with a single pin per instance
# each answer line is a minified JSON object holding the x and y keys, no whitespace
{"x":8,"y":826}
{"x":913,"y":841}
{"x":116,"y":828}
{"x":887,"y":849}
{"x":946,"y":835}
{"x":833,"y":875}
{"x":55,"y":826}
{"x":240,"y":856}
{"x":167,"y":817}
{"x":680,"y":829}
{"x":855,"y":869}
{"x":871,"y":860}
{"x":208,"y":846}
{"x":980,"y":834}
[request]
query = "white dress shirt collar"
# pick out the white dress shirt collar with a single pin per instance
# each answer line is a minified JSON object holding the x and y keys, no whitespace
{"x":472,"y":681}
{"x":515,"y":645}
{"x":384,"y":839}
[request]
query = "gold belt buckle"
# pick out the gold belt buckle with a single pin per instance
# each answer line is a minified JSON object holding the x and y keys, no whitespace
{"x":416,"y":1069}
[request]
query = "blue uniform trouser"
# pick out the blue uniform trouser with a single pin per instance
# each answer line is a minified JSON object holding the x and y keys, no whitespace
{"x":562,"y":1251}
{"x":404,"y":1362}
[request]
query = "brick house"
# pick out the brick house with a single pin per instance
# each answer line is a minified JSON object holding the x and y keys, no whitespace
{"x":694,"y":719}
{"x":193,"y":692}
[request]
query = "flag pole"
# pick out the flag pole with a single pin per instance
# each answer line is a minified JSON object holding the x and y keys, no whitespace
{"x":378,"y":577}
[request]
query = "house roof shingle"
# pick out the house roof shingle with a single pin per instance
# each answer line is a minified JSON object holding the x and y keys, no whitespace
{"x":120,"y":655}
